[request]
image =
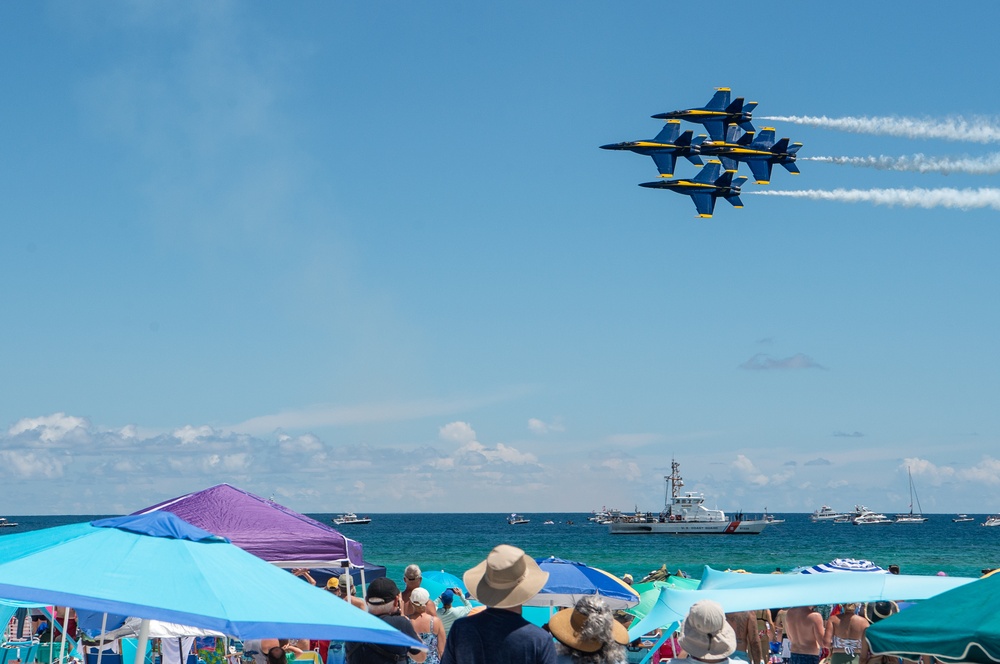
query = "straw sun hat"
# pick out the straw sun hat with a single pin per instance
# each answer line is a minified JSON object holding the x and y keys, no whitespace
{"x":585,"y":626}
{"x":508,"y":577}
{"x":705,"y":632}
{"x":876,"y":611}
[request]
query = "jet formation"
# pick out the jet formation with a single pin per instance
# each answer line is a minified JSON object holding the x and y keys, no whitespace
{"x":731,"y":140}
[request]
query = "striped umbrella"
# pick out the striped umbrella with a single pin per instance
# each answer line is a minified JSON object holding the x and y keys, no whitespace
{"x":845,"y":565}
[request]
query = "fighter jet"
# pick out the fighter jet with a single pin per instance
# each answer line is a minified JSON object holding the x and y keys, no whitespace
{"x":717,"y":114}
{"x":665,"y":148}
{"x":759,"y":153}
{"x":707,"y":186}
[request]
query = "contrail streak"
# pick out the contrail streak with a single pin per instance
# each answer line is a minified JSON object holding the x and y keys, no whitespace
{"x":975,"y":130}
{"x":962,"y":199}
{"x":919,"y":163}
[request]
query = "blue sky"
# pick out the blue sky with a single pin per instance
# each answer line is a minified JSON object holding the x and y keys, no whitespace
{"x":368,"y":256}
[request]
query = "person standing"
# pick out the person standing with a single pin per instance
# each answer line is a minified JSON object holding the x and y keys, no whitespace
{"x":845,"y":633}
{"x":383,"y":601}
{"x":449,"y":614}
{"x":744,"y":624}
{"x":706,"y":636}
{"x":428,"y":627}
{"x":804,"y":627}
{"x":588,"y":634}
{"x":499,"y":635}
{"x":765,"y":633}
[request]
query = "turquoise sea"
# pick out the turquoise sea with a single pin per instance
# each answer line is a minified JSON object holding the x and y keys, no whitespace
{"x":456,"y":542}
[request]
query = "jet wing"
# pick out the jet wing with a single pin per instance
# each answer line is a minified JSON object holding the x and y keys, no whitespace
{"x":716,"y":129}
{"x":728,"y":163}
{"x":664,"y":162}
{"x":761,"y":169}
{"x":705,"y":204}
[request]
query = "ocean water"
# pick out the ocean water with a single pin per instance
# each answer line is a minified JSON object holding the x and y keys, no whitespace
{"x":456,"y":542}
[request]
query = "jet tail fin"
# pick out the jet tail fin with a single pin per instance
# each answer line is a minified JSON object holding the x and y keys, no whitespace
{"x":794,"y":147}
{"x":791,"y":167}
{"x":709,"y":172}
{"x":669,"y":132}
{"x":780,"y":146}
{"x":729,"y":163}
{"x":719,"y":100}
{"x":685,"y":138}
{"x":735,"y":201}
{"x":746,"y":139}
{"x":749,"y":106}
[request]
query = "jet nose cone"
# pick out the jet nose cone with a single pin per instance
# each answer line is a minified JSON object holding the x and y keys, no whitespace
{"x":610,"y":146}
{"x":651,"y":185}
{"x":661,"y":116}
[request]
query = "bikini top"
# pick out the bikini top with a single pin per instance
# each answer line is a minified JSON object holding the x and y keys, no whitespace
{"x":850,"y":646}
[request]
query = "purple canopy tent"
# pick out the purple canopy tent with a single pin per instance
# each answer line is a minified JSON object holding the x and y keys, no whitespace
{"x":266,"y":529}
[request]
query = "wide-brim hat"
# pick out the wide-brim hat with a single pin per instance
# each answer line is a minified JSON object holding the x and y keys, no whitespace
{"x":876,"y":611}
{"x":567,"y":625}
{"x":705,"y":631}
{"x":507,"y":578}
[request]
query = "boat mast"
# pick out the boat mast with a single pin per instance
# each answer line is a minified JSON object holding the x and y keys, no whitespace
{"x":913,"y":493}
{"x":674,"y":478}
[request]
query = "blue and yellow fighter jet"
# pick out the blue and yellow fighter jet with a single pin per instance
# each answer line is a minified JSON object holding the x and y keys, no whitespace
{"x":717,"y":114}
{"x":707,"y":186}
{"x":759,"y":153}
{"x":665,"y":148}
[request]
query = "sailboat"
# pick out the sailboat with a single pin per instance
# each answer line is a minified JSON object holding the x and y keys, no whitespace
{"x":912,"y":517}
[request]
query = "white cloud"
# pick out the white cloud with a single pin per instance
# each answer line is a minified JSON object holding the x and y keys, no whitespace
{"x":748,"y":472}
{"x":764,"y":362}
{"x":189,"y":435}
{"x":50,"y":428}
{"x":30,"y":465}
{"x":457,"y":432}
{"x":538,"y":426}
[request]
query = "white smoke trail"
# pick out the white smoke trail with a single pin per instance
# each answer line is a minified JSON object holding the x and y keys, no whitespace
{"x":919,"y":163}
{"x":962,"y":199}
{"x":975,"y":130}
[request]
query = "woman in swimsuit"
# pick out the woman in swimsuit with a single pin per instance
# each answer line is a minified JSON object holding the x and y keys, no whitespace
{"x":845,"y":636}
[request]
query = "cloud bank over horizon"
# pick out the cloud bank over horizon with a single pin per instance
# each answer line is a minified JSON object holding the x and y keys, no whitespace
{"x":62,"y":463}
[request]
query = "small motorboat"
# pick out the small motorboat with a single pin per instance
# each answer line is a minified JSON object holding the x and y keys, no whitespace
{"x":962,"y":518}
{"x":351,"y":519}
{"x":516,"y":519}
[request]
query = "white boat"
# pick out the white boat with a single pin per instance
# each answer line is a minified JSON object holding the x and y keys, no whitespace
{"x":962,"y":518}
{"x":870,"y":518}
{"x":516,"y":519}
{"x":4,"y":523}
{"x":351,"y":519}
{"x":548,"y":523}
{"x":992,"y":521}
{"x":911,"y":516}
{"x":825,"y":513}
{"x":686,"y":515}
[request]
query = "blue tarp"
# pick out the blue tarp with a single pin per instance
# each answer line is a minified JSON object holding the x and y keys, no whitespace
{"x":747,"y":592}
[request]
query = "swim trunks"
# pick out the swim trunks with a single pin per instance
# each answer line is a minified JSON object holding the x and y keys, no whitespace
{"x":799,"y":658}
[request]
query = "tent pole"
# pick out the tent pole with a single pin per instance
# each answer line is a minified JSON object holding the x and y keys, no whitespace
{"x":62,"y":643}
{"x":364,"y":590}
{"x":140,"y":648}
{"x":100,"y":644}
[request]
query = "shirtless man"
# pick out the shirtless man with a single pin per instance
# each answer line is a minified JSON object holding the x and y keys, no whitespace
{"x":804,"y":627}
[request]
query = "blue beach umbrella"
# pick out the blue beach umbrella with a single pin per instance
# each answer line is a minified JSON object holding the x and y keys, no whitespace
{"x":436,"y":582}
{"x":569,"y":581}
{"x":158,"y":566}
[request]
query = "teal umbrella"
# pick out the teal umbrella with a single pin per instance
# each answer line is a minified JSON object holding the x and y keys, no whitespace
{"x":158,"y":566}
{"x":961,"y":625}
